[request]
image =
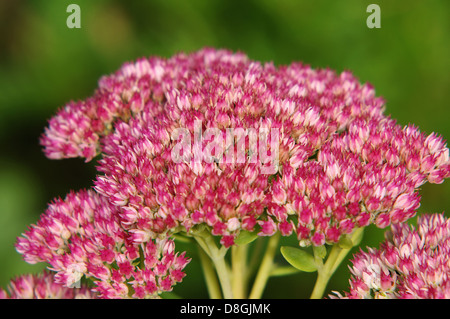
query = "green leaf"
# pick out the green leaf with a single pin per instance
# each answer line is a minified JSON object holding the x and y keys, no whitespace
{"x":345,"y":242}
{"x":299,"y":258}
{"x":245,"y":237}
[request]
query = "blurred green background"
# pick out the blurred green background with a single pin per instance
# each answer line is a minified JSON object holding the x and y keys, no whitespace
{"x":44,"y":65}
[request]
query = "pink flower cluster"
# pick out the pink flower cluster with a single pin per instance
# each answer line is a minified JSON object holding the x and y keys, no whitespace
{"x":412,"y":263}
{"x":43,"y":286}
{"x":82,"y":236}
{"x":341,"y":162}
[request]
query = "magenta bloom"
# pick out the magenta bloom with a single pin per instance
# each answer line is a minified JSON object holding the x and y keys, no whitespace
{"x":213,"y":143}
{"x":81,"y":236}
{"x":43,"y":286}
{"x":336,"y":163}
{"x":411,"y":263}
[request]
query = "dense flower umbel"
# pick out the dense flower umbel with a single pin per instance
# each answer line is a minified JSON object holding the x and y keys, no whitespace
{"x":413,"y":262}
{"x":341,"y":163}
{"x":81,"y":236}
{"x":43,"y":286}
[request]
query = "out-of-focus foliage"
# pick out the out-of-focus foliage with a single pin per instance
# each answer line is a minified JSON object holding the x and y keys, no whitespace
{"x":44,"y":64}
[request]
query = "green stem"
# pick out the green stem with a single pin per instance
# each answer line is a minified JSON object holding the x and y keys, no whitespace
{"x":239,"y":271}
{"x":217,"y":256}
{"x":283,"y":271}
{"x":336,"y":256}
{"x":324,"y":273}
{"x":210,"y":276}
{"x":255,"y":257}
{"x":265,"y":268}
{"x":356,"y":239}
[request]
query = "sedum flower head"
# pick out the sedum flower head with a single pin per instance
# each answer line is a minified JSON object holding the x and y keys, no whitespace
{"x":411,"y":263}
{"x":335,"y":163}
{"x":43,"y":286}
{"x":81,"y":236}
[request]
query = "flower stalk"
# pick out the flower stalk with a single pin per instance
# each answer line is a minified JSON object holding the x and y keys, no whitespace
{"x":336,"y":256}
{"x":265,"y":268}
{"x":239,"y":270}
{"x":212,"y":283}
{"x":217,"y":256}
